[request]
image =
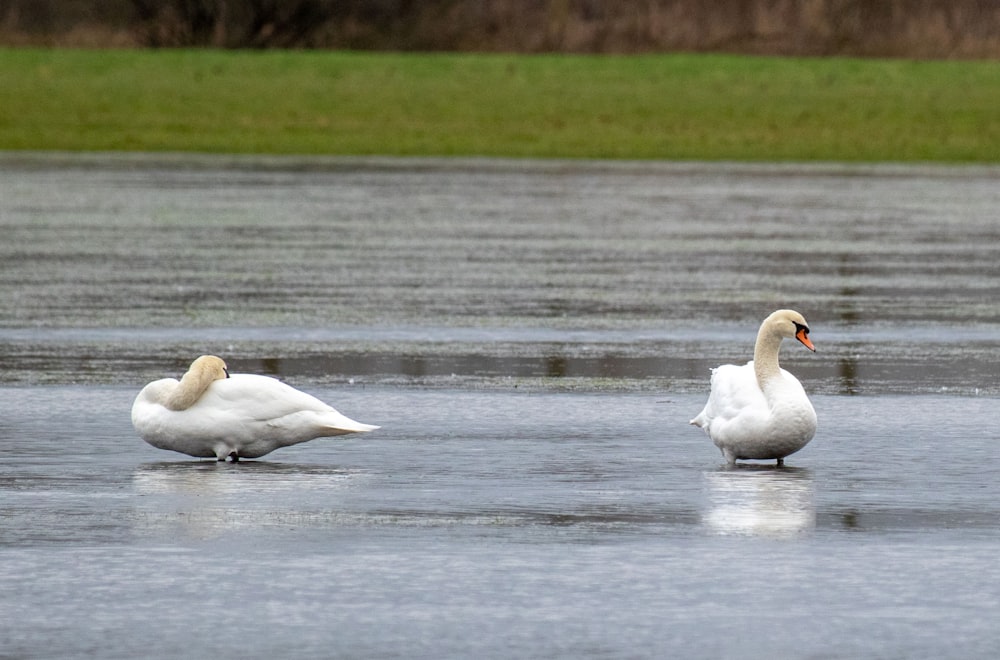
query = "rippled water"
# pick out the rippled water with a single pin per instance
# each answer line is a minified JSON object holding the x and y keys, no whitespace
{"x":533,"y":338}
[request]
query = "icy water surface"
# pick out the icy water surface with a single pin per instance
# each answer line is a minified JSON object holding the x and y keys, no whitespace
{"x":533,"y":338}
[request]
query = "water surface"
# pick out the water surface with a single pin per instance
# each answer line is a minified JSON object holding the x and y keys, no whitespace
{"x":533,"y":338}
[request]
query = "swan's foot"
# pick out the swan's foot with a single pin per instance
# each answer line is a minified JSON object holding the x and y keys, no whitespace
{"x":234,"y":457}
{"x":781,"y":462}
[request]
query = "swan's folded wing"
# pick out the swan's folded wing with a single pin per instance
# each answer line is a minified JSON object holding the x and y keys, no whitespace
{"x":734,"y":394}
{"x":735,"y":388}
{"x":323,"y":423}
{"x":266,"y":399}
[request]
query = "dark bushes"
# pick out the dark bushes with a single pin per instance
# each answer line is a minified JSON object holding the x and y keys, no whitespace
{"x":907,"y":28}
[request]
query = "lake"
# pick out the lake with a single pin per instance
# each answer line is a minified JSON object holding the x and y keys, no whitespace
{"x":533,"y":338}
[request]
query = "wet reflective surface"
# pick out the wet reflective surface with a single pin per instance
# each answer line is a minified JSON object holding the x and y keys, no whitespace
{"x":533,"y":338}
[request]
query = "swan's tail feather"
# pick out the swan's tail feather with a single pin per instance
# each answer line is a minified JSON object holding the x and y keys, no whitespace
{"x":358,"y":427}
{"x":340,"y":424}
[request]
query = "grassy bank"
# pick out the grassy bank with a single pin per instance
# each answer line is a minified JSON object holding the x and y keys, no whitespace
{"x":646,"y":107}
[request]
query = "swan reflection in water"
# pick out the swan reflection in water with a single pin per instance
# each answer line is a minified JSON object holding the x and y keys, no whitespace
{"x":760,"y":500}
{"x":206,"y":499}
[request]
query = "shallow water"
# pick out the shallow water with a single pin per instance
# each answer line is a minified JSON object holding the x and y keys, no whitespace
{"x":533,"y":338}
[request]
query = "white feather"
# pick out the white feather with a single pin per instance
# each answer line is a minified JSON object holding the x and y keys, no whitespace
{"x":243,"y":416}
{"x":759,"y":411}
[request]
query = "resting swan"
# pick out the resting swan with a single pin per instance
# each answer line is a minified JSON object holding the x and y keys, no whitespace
{"x":212,"y":413}
{"x":759,"y":410}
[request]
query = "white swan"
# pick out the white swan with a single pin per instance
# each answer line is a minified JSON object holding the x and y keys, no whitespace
{"x":759,"y":410}
{"x":212,"y":413}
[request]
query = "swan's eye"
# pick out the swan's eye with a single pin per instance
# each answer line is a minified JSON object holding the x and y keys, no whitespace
{"x":801,"y":328}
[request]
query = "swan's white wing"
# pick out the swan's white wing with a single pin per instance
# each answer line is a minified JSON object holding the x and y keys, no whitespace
{"x":735,"y":402}
{"x":734,"y":388}
{"x":246,"y":397}
{"x":259,"y":397}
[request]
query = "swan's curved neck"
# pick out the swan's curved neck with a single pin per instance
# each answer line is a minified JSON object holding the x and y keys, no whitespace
{"x":765,"y":355}
{"x":190,"y":388}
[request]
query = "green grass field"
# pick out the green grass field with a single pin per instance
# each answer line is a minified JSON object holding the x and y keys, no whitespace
{"x":700,"y":107}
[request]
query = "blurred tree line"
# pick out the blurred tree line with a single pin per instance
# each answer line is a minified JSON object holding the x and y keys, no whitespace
{"x":905,"y":28}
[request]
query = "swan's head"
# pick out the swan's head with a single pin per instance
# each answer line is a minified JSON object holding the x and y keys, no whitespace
{"x":789,"y":323}
{"x":203,"y":372}
{"x":209,"y":368}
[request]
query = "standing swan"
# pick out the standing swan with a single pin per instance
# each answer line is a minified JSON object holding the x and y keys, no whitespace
{"x":212,"y":413}
{"x":759,"y":410}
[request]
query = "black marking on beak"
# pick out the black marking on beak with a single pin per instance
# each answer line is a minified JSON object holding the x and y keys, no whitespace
{"x":227,"y":371}
{"x":802,"y":334}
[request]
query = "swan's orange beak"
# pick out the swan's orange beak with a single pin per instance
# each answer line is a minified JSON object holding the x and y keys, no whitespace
{"x":803,"y":337}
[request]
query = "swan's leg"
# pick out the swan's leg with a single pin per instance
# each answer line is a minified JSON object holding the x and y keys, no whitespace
{"x":730,"y":456}
{"x":234,"y":457}
{"x":781,"y":462}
